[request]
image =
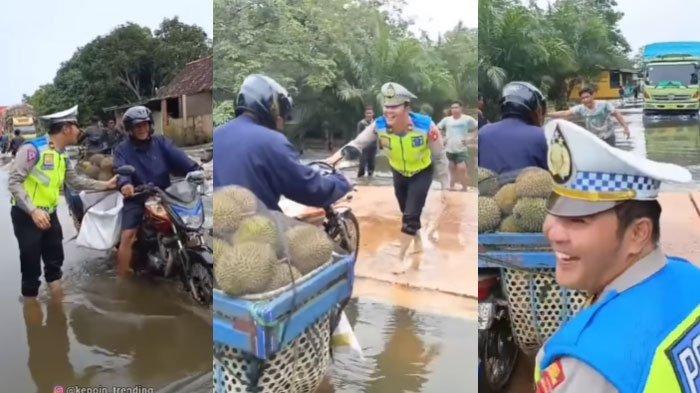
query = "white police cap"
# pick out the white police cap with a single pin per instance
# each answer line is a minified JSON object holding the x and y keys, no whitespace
{"x":68,"y":115}
{"x":395,"y":94}
{"x":591,"y":176}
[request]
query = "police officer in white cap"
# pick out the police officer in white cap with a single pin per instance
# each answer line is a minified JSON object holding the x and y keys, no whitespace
{"x":414,"y":146}
{"x":641,"y":332}
{"x":35,"y":182}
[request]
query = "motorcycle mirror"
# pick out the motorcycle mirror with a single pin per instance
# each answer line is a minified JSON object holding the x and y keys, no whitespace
{"x":195,"y":176}
{"x":126,"y":170}
{"x":207,"y":156}
{"x":350,"y":153}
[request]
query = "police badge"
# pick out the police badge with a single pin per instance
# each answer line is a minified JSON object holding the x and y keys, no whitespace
{"x":559,"y":158}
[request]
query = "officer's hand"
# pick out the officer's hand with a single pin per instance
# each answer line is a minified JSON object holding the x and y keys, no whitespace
{"x":127,"y":190}
{"x":111,"y":184}
{"x":41,"y":219}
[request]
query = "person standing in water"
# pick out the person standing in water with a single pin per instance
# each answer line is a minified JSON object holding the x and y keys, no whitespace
{"x":596,"y":115}
{"x":414,"y":146}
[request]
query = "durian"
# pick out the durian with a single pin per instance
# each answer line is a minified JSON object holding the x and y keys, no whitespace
{"x":489,"y":214}
{"x":309,"y":247}
{"x":529,"y":214}
{"x":245,"y":268}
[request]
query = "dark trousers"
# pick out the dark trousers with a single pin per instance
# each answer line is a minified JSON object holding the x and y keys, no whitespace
{"x":411,"y":193}
{"x":369,"y":155}
{"x":36,"y":245}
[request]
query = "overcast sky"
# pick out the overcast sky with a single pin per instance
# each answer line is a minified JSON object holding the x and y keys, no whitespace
{"x":32,"y":48}
{"x":648,"y":21}
{"x":439,"y":16}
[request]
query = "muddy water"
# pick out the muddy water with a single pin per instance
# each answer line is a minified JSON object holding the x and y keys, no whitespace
{"x":105,"y":332}
{"x":668,"y":139}
{"x":405,"y":351}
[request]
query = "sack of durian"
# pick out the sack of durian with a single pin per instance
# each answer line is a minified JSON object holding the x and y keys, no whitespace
{"x":513,"y":207}
{"x":256,"y":250}
{"x":97,"y":167}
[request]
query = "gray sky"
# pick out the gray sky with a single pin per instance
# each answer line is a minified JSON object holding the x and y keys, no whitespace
{"x":648,"y":21}
{"x":34,"y":47}
{"x":439,"y":16}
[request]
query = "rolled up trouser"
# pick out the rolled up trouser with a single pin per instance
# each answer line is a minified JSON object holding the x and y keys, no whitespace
{"x":411,"y":193}
{"x":36,"y":245}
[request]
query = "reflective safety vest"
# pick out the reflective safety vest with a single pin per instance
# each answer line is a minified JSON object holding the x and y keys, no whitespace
{"x":408,"y":153}
{"x":645,"y":339}
{"x":44,"y":183}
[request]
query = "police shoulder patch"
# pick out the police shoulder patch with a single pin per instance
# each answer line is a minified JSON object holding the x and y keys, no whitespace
{"x":684,"y":354}
{"x":551,"y":377}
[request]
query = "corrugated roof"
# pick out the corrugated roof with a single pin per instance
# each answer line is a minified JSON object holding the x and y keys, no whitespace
{"x":196,"y":77}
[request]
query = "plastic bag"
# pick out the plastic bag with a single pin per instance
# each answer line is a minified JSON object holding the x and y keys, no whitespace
{"x":101,"y":225}
{"x":344,"y":338}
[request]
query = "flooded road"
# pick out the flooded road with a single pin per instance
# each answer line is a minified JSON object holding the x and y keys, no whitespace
{"x":405,"y":351}
{"x":670,"y":139}
{"x":105,"y":332}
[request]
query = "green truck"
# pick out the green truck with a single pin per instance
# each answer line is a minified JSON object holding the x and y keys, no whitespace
{"x":670,"y":72}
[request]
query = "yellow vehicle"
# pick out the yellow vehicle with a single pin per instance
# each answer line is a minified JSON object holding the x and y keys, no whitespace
{"x":23,"y":118}
{"x":608,"y":84}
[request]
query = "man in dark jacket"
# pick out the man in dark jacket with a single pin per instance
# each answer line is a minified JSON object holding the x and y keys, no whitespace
{"x":517,"y":141}
{"x":250,"y":151}
{"x":155,"y":158}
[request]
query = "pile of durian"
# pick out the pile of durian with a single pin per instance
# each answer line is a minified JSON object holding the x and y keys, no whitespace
{"x":257,"y":251}
{"x":98,"y":167}
{"x":513,"y":207}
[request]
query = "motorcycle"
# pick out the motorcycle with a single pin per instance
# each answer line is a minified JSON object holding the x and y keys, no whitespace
{"x":337,"y":220}
{"x":171,"y":240}
{"x":498,"y":351}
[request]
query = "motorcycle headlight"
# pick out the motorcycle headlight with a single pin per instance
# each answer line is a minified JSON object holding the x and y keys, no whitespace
{"x":192,"y":222}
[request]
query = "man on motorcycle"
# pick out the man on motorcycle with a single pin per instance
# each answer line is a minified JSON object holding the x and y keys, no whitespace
{"x":37,"y":175}
{"x":155,"y":158}
{"x":251,"y":151}
{"x":517,"y":141}
{"x":416,"y":153}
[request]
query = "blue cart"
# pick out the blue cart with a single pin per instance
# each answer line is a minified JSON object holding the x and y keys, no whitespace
{"x":279,"y":342}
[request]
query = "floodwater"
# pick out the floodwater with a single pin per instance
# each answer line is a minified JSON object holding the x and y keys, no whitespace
{"x":671,"y":139}
{"x":105,"y":332}
{"x":405,"y":351}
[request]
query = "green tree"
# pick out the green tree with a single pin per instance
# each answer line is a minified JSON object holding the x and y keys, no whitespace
{"x":125,"y":66}
{"x":333,"y":56}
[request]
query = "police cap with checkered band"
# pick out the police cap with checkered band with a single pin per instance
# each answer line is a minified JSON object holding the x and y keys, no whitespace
{"x":591,"y":176}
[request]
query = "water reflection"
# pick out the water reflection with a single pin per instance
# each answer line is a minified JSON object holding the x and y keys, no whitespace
{"x":48,"y":345}
{"x":405,"y":351}
{"x":405,"y":359}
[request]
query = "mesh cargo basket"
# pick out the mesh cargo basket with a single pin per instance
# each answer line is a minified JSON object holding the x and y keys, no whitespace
{"x":298,"y":368}
{"x":538,"y":305}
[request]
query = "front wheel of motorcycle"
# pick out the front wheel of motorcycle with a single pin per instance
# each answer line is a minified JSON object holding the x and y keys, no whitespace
{"x":500,"y":355}
{"x":201,"y":283}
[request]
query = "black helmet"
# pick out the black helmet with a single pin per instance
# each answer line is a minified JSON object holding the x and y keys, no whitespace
{"x":523,"y":100}
{"x":265,"y":98}
{"x":136,"y":115}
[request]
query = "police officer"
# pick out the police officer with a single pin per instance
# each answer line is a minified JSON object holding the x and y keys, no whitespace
{"x":416,"y":154}
{"x":641,"y":332}
{"x":517,"y":141}
{"x":35,"y":181}
{"x":251,"y":151}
